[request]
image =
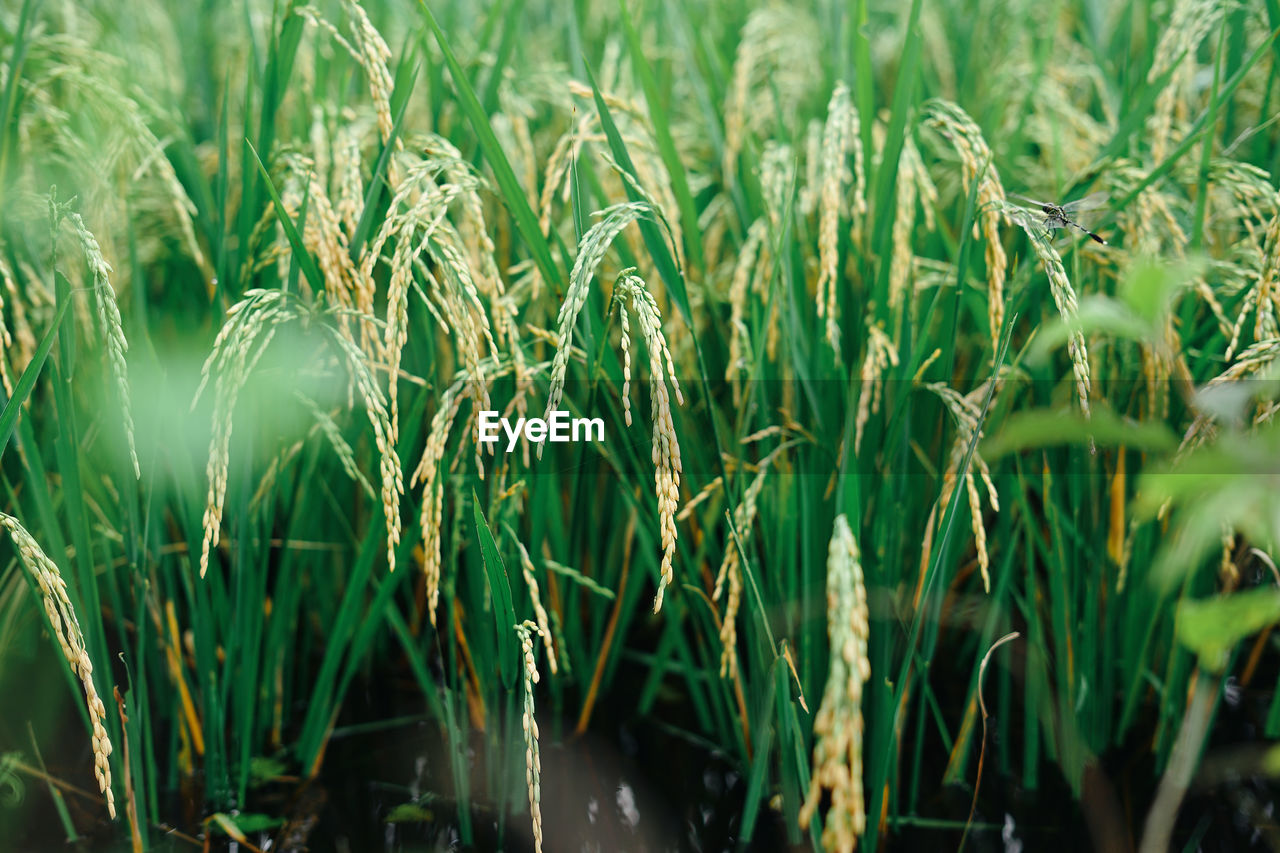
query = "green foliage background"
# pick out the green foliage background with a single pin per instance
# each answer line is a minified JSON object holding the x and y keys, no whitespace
{"x":203,"y":148}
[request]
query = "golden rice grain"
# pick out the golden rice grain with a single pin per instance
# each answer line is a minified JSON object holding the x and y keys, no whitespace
{"x":881,"y":353}
{"x":372,"y":53}
{"x":249,"y":329}
{"x":428,"y":473}
{"x":591,"y":251}
{"x":841,"y":119}
{"x":771,"y":77}
{"x":540,"y":613}
{"x":392,"y":486}
{"x":838,"y":726}
{"x":967,"y":411}
{"x":966,"y":138}
{"x":533,"y":762}
{"x":111,"y":327}
{"x":6,"y":340}
{"x":666,"y":446}
{"x":1064,"y":297}
{"x":1189,"y":22}
{"x":731,"y":568}
{"x":66,"y":628}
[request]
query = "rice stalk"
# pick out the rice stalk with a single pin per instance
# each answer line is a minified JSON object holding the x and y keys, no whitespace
{"x":1262,"y":359}
{"x":976,"y":162}
{"x":21,"y":346}
{"x":1064,"y":297}
{"x":1151,"y":224}
{"x":326,"y":425}
{"x":967,"y":411}
{"x":771,"y":77}
{"x":1189,"y":22}
{"x":323,"y":236}
{"x":66,"y":628}
{"x":392,"y":480}
{"x":421,"y":227}
{"x":367,"y":47}
{"x":540,"y":613}
{"x":811,"y":191}
{"x":83,"y":72}
{"x":591,"y":251}
{"x":837,"y":728}
{"x":666,"y":445}
{"x":347,"y":163}
{"x":428,"y":473}
{"x":881,"y":353}
{"x":6,"y":340}
{"x":731,"y":568}
{"x":111,"y":327}
{"x":745,"y":268}
{"x":1264,"y":297}
{"x":533,"y":762}
{"x":913,"y":184}
{"x":251,"y":324}
{"x":511,"y":127}
{"x":836,"y":141}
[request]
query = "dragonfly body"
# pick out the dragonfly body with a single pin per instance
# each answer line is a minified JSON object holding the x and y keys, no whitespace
{"x":1063,"y":215}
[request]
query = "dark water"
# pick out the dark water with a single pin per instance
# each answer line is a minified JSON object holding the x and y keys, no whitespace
{"x":628,"y":784}
{"x":633,"y":784}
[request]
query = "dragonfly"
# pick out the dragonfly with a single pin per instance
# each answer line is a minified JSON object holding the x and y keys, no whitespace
{"x":1063,"y":215}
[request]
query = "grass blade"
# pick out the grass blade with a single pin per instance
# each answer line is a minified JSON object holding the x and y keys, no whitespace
{"x":13,"y":406}
{"x":504,"y":614}
{"x":526,"y":223}
{"x":300,"y":253}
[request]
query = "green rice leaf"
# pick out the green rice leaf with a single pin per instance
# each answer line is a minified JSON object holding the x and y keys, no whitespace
{"x":504,"y":615}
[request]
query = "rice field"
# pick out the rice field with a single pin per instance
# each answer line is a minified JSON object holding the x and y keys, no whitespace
{"x":907,"y":513}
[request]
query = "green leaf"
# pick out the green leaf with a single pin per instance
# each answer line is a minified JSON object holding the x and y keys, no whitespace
{"x":649,"y":230}
{"x":376,"y":182}
{"x":410,"y":813}
{"x":504,"y":615}
{"x":666,"y":145}
{"x":1193,"y":133}
{"x":1212,"y":627}
{"x":27,"y":381}
{"x":263,"y":770}
{"x":1152,"y":285}
{"x":238,"y":825}
{"x":9,"y":100}
{"x":300,"y":253}
{"x":1045,"y":428}
{"x":526,"y":222}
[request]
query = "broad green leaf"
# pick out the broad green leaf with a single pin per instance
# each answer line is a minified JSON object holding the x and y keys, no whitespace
{"x":1046,"y":428}
{"x":1211,"y":627}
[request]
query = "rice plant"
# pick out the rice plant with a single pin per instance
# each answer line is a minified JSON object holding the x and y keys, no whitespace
{"x":907,"y":516}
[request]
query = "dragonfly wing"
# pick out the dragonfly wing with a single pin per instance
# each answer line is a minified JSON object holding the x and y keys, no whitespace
{"x":1033,"y":201}
{"x":1089,"y":202}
